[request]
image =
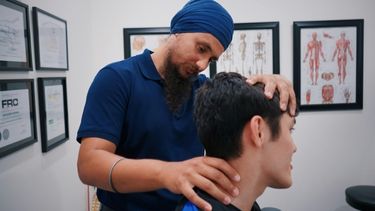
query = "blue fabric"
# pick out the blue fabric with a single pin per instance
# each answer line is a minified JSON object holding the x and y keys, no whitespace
{"x":185,"y":205}
{"x":126,"y":105}
{"x":204,"y":16}
{"x":189,"y":207}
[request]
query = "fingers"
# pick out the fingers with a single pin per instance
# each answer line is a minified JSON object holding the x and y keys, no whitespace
{"x":284,"y":86}
{"x":207,"y":186}
{"x":287,"y":95}
{"x":222,"y":166}
{"x":252,"y":79}
{"x":211,"y":175}
{"x":292,"y":102}
{"x":220,"y":175}
{"x":267,"y":80}
{"x":269,"y":88}
{"x":193,"y":197}
{"x":284,"y":92}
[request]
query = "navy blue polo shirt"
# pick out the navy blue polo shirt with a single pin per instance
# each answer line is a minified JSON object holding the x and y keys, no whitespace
{"x":126,"y":105}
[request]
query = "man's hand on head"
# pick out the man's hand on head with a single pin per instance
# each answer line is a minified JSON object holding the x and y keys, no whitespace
{"x":280,"y":83}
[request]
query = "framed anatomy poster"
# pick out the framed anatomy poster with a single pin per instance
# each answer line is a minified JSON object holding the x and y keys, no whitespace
{"x":254,"y":50}
{"x":328,"y":64}
{"x":136,"y":40}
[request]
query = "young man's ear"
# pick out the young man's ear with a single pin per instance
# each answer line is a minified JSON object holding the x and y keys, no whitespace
{"x":255,"y":130}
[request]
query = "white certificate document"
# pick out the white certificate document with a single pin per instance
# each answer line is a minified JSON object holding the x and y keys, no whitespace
{"x":15,"y":124}
{"x":12,"y":35}
{"x":54,"y":100}
{"x":52,"y":42}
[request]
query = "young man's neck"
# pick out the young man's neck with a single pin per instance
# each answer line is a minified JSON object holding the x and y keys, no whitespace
{"x":251,"y":185}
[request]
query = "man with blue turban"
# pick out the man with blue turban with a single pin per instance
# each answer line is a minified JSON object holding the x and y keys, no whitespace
{"x":204,"y":16}
{"x":139,"y":143}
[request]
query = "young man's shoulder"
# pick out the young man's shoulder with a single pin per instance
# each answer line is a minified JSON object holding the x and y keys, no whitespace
{"x":186,"y":205}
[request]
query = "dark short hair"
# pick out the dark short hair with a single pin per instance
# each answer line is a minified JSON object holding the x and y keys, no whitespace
{"x":222,"y":107}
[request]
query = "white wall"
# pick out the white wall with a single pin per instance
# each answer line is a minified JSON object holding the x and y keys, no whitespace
{"x":335,"y":148}
{"x":36,"y":181}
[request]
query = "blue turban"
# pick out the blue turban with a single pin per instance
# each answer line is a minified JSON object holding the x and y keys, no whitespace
{"x":206,"y":16}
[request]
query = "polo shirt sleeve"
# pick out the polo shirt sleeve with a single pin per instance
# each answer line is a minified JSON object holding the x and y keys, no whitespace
{"x":106,"y":106}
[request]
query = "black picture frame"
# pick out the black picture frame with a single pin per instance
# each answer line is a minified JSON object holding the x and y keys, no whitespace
{"x":255,"y":58}
{"x":53,"y":105}
{"x":15,"y":50}
{"x":50,"y":41}
{"x":328,"y":64}
{"x":136,"y":40}
{"x":17,"y":115}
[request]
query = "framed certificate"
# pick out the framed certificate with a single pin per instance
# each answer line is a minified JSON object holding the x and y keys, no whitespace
{"x":53,"y":112}
{"x":14,"y":36}
{"x":51,"y":41}
{"x":17,"y":115}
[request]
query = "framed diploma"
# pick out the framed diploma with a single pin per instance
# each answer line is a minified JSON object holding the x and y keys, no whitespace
{"x":53,"y":112}
{"x":17,"y":115}
{"x":14,"y":36}
{"x":51,"y":41}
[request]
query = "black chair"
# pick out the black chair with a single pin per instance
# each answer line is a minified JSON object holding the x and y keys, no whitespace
{"x":361,"y":197}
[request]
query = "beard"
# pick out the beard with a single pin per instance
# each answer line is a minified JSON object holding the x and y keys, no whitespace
{"x":177,"y":88}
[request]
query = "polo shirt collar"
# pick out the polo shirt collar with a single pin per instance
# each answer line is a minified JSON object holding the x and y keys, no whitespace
{"x":148,"y":68}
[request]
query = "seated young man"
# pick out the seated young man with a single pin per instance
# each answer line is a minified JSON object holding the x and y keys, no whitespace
{"x":238,"y":123}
